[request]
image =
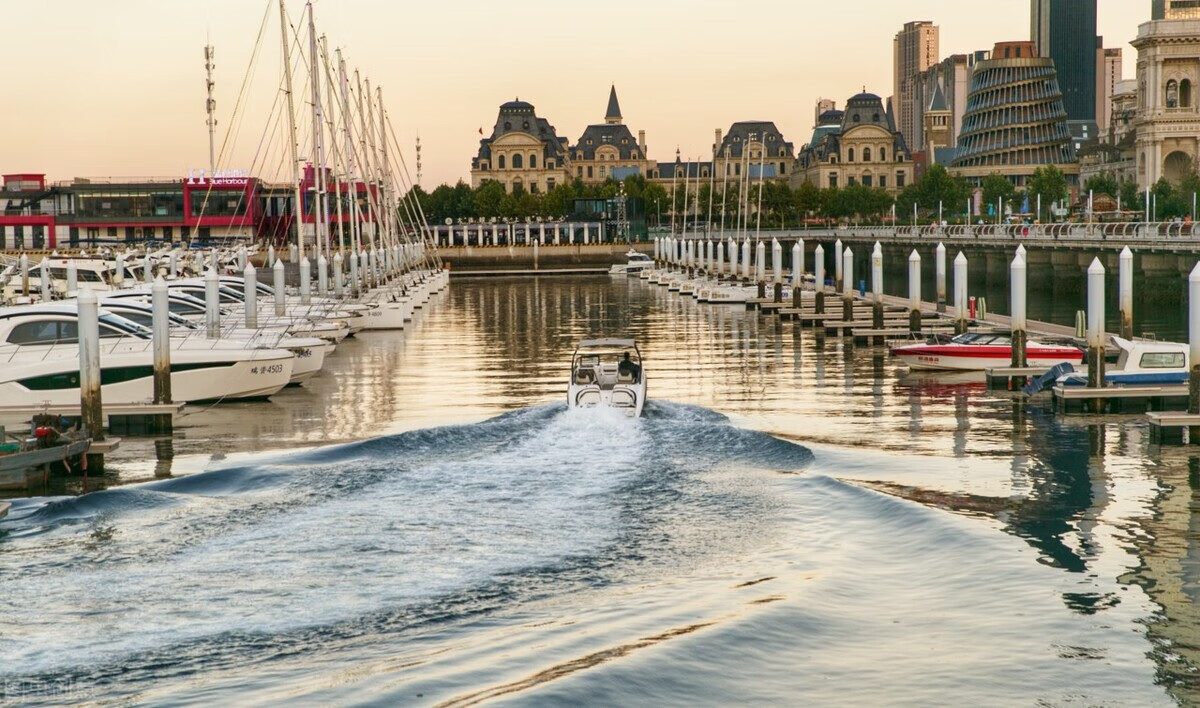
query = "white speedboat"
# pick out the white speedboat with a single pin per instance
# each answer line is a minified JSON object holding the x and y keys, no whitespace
{"x":1142,"y":362}
{"x":39,"y":362}
{"x":979,"y":351}
{"x":607,"y":373}
{"x":635,"y":264}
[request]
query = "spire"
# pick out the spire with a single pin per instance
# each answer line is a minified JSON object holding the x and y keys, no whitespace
{"x":939,"y":99}
{"x":613,"y":114}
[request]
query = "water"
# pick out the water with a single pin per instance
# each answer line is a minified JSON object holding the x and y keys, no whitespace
{"x":793,"y":521}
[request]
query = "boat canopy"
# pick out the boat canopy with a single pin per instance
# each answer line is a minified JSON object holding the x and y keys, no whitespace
{"x":607,"y":344}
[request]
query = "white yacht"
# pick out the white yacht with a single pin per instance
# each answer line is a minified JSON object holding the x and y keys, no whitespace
{"x":634,"y":265}
{"x":1142,"y":362}
{"x":39,"y":362}
{"x":607,"y":373}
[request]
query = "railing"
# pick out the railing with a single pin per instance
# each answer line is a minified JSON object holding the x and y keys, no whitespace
{"x":1118,"y":232}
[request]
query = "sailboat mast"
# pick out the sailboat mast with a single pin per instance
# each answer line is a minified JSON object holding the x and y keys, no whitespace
{"x":320,"y":213}
{"x":298,"y":209}
{"x":351,"y":160}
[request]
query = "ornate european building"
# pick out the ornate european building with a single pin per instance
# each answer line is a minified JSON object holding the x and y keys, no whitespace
{"x":1168,"y":72}
{"x":1015,"y":120}
{"x":523,"y":151}
{"x":751,"y":145}
{"x":608,"y":149}
{"x":859,"y":145}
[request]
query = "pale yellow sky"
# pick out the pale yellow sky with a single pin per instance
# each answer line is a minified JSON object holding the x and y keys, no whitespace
{"x":116,"y":88}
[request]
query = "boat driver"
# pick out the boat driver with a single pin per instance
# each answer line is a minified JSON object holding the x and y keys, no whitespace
{"x":627,"y":366}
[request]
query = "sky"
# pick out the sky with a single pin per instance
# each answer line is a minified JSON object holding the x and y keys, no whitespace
{"x":116,"y":89}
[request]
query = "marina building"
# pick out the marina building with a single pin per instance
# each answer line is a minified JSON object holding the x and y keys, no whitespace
{"x":609,"y":149}
{"x":1015,"y":120}
{"x":859,"y":145}
{"x":1168,"y":69}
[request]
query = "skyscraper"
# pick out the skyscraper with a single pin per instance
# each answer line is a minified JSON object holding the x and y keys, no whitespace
{"x":1174,"y":10}
{"x":916,"y":49}
{"x":1065,"y":31}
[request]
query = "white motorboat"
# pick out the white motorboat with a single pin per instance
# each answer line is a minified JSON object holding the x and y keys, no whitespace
{"x":608,"y":373}
{"x":39,"y":362}
{"x":634,"y":265}
{"x":1142,"y":362}
{"x":980,"y":351}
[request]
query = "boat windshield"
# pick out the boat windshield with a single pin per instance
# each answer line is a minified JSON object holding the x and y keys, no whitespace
{"x":606,"y":367}
{"x":983,"y":339}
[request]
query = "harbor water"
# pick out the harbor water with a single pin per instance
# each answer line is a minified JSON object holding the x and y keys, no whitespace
{"x":794,"y":521}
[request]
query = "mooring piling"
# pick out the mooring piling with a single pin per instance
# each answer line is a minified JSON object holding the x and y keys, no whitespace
{"x":250,"y":292}
{"x":877,"y":286}
{"x":277,"y":276}
{"x":960,"y":293}
{"x":798,"y":264}
{"x":161,"y":340}
{"x":939,"y":276}
{"x":1125,"y":292}
{"x":212,"y":304}
{"x":914,"y":291}
{"x":1020,"y":337}
{"x":819,"y":278}
{"x":847,"y":284}
{"x":90,"y":403}
{"x":1095,"y":325}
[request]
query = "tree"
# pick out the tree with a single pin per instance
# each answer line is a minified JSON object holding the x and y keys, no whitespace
{"x":1050,"y":184}
{"x":1103,"y":183}
{"x":654,"y":196}
{"x":488,"y":198}
{"x":807,"y":199}
{"x":996,"y":187}
{"x":938,"y":186}
{"x":1128,"y":194}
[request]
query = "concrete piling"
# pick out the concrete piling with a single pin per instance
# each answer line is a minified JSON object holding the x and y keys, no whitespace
{"x":271,"y":256}
{"x":960,"y":292}
{"x":746,"y":260}
{"x":90,"y":401}
{"x":24,"y":262}
{"x":1095,"y":325}
{"x":776,"y":261}
{"x":119,"y":274}
{"x":212,"y":304}
{"x":1125,"y":292}
{"x":250,"y":292}
{"x":322,"y":276}
{"x":1018,"y":291}
{"x":847,"y":284}
{"x":72,"y":277}
{"x":819,"y":278}
{"x":798,"y":264}
{"x":305,"y":281}
{"x":939,"y":274}
{"x":760,"y":262}
{"x":1194,"y":342}
{"x":161,"y":342}
{"x":914,"y":291}
{"x":877,"y":286}
{"x":277,"y":276}
{"x":44,"y":276}
{"x":837,"y":265}
{"x":354,"y":284}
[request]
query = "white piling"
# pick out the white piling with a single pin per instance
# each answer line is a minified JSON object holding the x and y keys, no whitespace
{"x":1194,"y":341}
{"x":44,"y":275}
{"x":837,"y":264}
{"x":212,"y":304}
{"x":118,"y":276}
{"x":798,"y":264}
{"x":877,"y":287}
{"x":960,"y":291}
{"x":278,"y":284}
{"x":914,"y":291}
{"x":1095,"y":324}
{"x":160,"y":321}
{"x":24,"y":261}
{"x":338,"y":277}
{"x":90,"y":401}
{"x":173,"y":267}
{"x":776,"y":261}
{"x":305,"y":281}
{"x":322,"y":276}
{"x":271,"y":255}
{"x":250,"y":292}
{"x":1125,"y":292}
{"x":72,"y":277}
{"x":760,"y":262}
{"x":147,"y":269}
{"x":1018,"y":290}
{"x":847,"y":284}
{"x":939,"y":275}
{"x":354,"y":285}
{"x":746,"y":259}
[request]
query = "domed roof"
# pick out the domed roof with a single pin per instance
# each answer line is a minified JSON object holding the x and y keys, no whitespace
{"x":516,"y":104}
{"x":831,"y":117}
{"x":864,"y":97}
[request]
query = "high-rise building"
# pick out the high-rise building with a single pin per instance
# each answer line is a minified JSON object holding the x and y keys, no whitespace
{"x":1175,"y":10}
{"x":1065,"y":31}
{"x":1108,"y":72}
{"x":915,"y":49}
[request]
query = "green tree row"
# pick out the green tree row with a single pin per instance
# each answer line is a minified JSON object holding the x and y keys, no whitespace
{"x":1170,"y":201}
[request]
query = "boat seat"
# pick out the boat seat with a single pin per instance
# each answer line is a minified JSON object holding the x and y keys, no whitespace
{"x":625,"y":377}
{"x":585,"y":377}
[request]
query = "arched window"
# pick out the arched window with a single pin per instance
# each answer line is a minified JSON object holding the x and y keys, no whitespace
{"x":1172,"y":94}
{"x":1185,"y":93}
{"x":866,"y":154}
{"x":532,"y":161}
{"x":883,"y":154}
{"x":517,"y":161}
{"x":850,"y":155}
{"x":500,"y":162}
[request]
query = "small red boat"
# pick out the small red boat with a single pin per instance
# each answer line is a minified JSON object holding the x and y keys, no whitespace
{"x":976,"y":352}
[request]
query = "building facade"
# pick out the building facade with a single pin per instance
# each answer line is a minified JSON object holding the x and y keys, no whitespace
{"x":1168,"y":71}
{"x":1109,"y":71}
{"x":1015,"y":120}
{"x":915,"y":49}
{"x":756,"y":149}
{"x":523,"y":152}
{"x":859,"y":145}
{"x":609,"y":150}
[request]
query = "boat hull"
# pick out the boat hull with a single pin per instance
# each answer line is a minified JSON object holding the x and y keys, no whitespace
{"x":979,"y":358}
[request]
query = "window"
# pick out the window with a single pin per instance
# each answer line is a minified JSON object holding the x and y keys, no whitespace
{"x":112,"y":232}
{"x":1172,"y":94}
{"x":833,"y":179}
{"x":875,"y":118}
{"x":579,"y":171}
{"x":525,"y":125}
{"x":866,"y":180}
{"x":866,"y":154}
{"x":783,"y":168}
{"x":883,"y":181}
{"x":518,"y":161}
{"x":500,"y":161}
{"x":533,"y":187}
{"x":507,"y":125}
{"x":850,"y":155}
{"x":850,"y":181}
{"x":1185,"y":93}
{"x":900,"y":179}
{"x":1162,"y":360}
{"x":857,"y":118}
{"x":44,"y":333}
{"x":589,"y":171}
{"x":533,"y":162}
{"x":883,"y":154}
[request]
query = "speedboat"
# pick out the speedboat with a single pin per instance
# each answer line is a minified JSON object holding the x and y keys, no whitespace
{"x":980,"y":351}
{"x":636,"y":263}
{"x":607,"y":373}
{"x":1142,"y":362}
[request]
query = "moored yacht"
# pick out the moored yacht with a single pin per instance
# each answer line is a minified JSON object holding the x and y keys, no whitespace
{"x":979,"y":351}
{"x":1141,"y":362}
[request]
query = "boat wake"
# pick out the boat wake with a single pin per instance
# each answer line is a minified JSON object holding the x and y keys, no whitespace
{"x":376,"y":536}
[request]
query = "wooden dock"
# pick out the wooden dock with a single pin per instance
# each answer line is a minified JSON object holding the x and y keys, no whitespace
{"x":1169,"y":427}
{"x":1119,"y":399}
{"x":128,"y":419}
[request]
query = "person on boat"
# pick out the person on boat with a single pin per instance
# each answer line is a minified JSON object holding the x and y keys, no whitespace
{"x":627,"y":366}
